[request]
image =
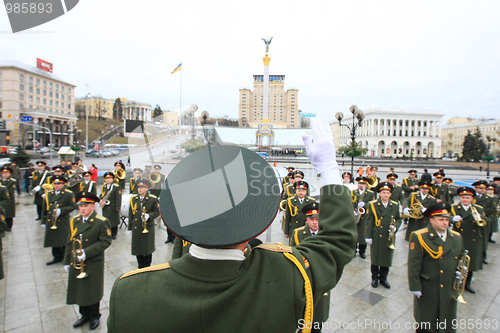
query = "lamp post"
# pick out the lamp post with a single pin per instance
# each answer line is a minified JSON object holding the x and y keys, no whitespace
{"x":207,"y":129}
{"x":490,"y":140}
{"x":357,"y":119}
{"x":86,"y":122}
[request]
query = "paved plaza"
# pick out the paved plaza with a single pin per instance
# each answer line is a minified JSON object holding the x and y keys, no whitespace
{"x":33,"y":295}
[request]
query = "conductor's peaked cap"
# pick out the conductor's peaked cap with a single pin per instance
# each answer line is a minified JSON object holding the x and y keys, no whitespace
{"x":220,"y":196}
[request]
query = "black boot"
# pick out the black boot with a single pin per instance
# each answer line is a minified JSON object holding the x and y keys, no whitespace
{"x":485,"y":261}
{"x":468,"y":282}
{"x":491,"y":240}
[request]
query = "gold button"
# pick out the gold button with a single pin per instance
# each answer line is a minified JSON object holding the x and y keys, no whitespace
{"x":442,"y":286}
{"x":441,"y":271}
{"x":432,"y":234}
{"x":474,"y":240}
{"x":87,"y":240}
{"x":135,"y":227}
{"x":380,"y":235}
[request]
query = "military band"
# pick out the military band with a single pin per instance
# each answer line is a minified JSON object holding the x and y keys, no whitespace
{"x":410,"y":183}
{"x":88,"y":185}
{"x":111,"y":201}
{"x":40,"y":177}
{"x":360,"y":197}
{"x":415,"y":205}
{"x":294,"y":217}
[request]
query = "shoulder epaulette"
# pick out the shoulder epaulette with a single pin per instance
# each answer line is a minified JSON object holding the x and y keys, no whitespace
{"x":394,"y":202}
{"x":478,"y":205}
{"x":100,"y":217}
{"x":279,"y":247}
{"x":369,"y":191}
{"x":455,"y":233}
{"x":153,"y":196}
{"x":146,"y":269}
{"x":421,"y":231}
{"x":311,"y":198}
{"x":301,"y":228}
{"x":373,"y":201}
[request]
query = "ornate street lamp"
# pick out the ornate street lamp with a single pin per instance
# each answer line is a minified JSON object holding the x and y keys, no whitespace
{"x":357,"y":119}
{"x":488,"y":157}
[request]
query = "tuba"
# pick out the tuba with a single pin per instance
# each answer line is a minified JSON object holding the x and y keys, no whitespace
{"x":76,"y":176}
{"x":477,"y":217}
{"x":392,"y":234}
{"x":120,"y":174}
{"x":77,"y":250}
{"x":459,"y":284}
{"x":372,"y":182}
{"x":154,"y":177}
{"x":53,"y":218}
{"x":144,"y":222}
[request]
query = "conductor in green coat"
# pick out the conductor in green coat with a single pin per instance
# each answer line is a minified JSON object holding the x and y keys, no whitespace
{"x":322,"y":308}
{"x":111,"y":202}
{"x":382,"y":223}
{"x":57,"y":206}
{"x":142,"y":212}
{"x":432,"y":271}
{"x":93,"y":232}
{"x":10,"y":184}
{"x":207,"y":289}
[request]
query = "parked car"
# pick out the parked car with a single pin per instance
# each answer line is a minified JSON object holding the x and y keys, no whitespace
{"x":12,"y":151}
{"x":93,"y":153}
{"x":49,"y":154}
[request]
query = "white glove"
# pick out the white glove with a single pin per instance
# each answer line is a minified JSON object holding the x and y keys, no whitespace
{"x":423,"y":209}
{"x":36,"y":188}
{"x":458,"y":274}
{"x":355,"y":213}
{"x":58,"y":212}
{"x":417,"y":293}
{"x":146,"y":216}
{"x":129,"y":232}
{"x":82,"y":257}
{"x":393,"y":228}
{"x":457,"y":218}
{"x":43,"y":225}
{"x":406,"y":211}
{"x":369,"y":241}
{"x":66,"y":268}
{"x":43,"y":196}
{"x":321,"y":151}
{"x":361,"y":204}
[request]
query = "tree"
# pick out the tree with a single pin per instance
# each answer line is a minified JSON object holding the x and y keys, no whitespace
{"x":473,"y":146}
{"x":117,"y":109}
{"x":80,"y":110}
{"x":353,"y":149}
{"x":20,"y":157}
{"x":157,"y":112}
{"x":481,"y":147}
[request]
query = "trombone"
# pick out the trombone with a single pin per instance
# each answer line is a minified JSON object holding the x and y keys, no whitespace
{"x":144,"y":222}
{"x":53,"y":218}
{"x":392,"y":233}
{"x":78,"y":250}
{"x":459,"y":283}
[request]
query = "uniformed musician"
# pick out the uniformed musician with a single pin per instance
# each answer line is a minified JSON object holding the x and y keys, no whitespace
{"x":147,"y":171}
{"x":469,"y":226}
{"x":346,"y":177}
{"x":360,"y":197}
{"x":496,"y":181}
{"x":432,"y":271}
{"x":158,"y":185}
{"x":58,"y":170}
{"x":374,"y":171}
{"x":448,"y":181}
{"x":134,"y":180}
{"x":286,"y":179}
{"x":397,"y":192}
{"x":142,"y":212}
{"x":10,"y":184}
{"x":410,"y":184}
{"x":4,"y":201}
{"x":486,"y":201}
{"x":74,"y":168}
{"x":40,"y":177}
{"x":322,"y":308}
{"x":439,"y":188}
{"x":57,"y":206}
{"x":113,"y":203}
{"x":294,"y":218}
{"x":121,"y":182}
{"x":382,"y":221}
{"x":92,"y":233}
{"x":490,"y":189}
{"x":422,"y":200}
{"x":87,"y":184}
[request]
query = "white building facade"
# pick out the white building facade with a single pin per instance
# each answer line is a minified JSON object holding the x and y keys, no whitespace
{"x":395,"y":133}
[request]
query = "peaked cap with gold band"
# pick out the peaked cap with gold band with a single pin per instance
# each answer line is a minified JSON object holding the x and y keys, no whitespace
{"x":438,"y":174}
{"x":300,"y":185}
{"x":480,"y":184}
{"x":424,"y":184}
{"x":347,"y":174}
{"x":87,"y":173}
{"x":58,"y":168}
{"x":392,"y":176}
{"x":7,"y":168}
{"x":385,"y":186}
{"x":412,"y":172}
{"x":86,"y":197}
{"x":464,"y":190}
{"x":362,"y":180}
{"x":447,"y":180}
{"x":311,"y":209}
{"x":144,"y":183}
{"x":109,"y":174}
{"x":59,"y":180}
{"x":298,"y":173}
{"x":120,"y":164}
{"x":438,"y":209}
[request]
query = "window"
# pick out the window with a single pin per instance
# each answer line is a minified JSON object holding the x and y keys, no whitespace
{"x":21,"y":77}
{"x":37,"y":82}
{"x":62,"y":96}
{"x":45,"y":84}
{"x":37,"y":90}
{"x":62,"y":88}
{"x":57,"y":103}
{"x":50,"y":102}
{"x":0,"y":104}
{"x":31,"y":107}
{"x":21,"y":106}
{"x":57,"y":87}
{"x":0,"y":75}
{"x":50,"y":85}
{"x":31,"y":89}
{"x":50,"y":93}
{"x":44,"y":101}
{"x":21,"y":97}
{"x":44,"y":92}
{"x":31,"y":79}
{"x":69,"y":106}
{"x":57,"y":95}
{"x":69,"y":98}
{"x":38,"y":99}
{"x":0,"y":84}
{"x":30,"y":98}
{"x":69,"y":90}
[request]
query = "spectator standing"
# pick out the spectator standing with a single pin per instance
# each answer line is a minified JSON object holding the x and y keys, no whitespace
{"x":16,"y":174}
{"x":28,"y":176}
{"x":94,"y":171}
{"x":426,"y":176}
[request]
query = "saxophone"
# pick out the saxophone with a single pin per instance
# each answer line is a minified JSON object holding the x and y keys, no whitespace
{"x":105,"y":200}
{"x":477,"y":217}
{"x":463,"y":270}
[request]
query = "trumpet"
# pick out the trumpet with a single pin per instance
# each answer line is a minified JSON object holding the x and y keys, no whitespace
{"x":76,"y":176}
{"x":120,"y":174}
{"x":372,"y":182}
{"x":477,"y":217}
{"x":53,"y":218}
{"x":415,"y":211}
{"x":459,"y":283}
{"x":144,"y":222}
{"x":361,"y":211}
{"x":392,"y":233}
{"x":77,"y":264}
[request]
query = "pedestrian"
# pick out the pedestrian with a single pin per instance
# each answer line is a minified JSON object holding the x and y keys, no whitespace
{"x":426,"y":176}
{"x":128,"y":160}
{"x":28,"y":176}
{"x":16,"y":174}
{"x":95,"y":172}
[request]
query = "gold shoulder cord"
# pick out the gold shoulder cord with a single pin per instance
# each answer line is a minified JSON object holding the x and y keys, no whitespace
{"x":292,"y":207}
{"x":459,"y":223}
{"x":412,"y":198}
{"x":434,"y":254}
{"x":377,"y":221}
{"x":47,"y":201}
{"x":184,"y":243}
{"x":308,"y":312}
{"x":296,"y":236}
{"x":406,"y":182}
{"x":132,"y":186}
{"x":73,"y":230}
{"x":134,"y":208}
{"x":353,"y":197}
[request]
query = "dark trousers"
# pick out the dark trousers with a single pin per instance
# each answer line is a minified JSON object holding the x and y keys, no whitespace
{"x":9,"y":221}
{"x":58,"y":253}
{"x":362,"y":248}
{"x":90,"y":311}
{"x":144,"y":261}
{"x":17,"y":187}
{"x":469,"y":279}
{"x":170,"y":235}
{"x":39,"y":211}
{"x":114,"y":231}
{"x":380,"y":273}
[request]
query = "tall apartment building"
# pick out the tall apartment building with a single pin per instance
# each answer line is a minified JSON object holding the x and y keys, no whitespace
{"x":31,"y":91}
{"x":100,"y":107}
{"x":283,"y":105}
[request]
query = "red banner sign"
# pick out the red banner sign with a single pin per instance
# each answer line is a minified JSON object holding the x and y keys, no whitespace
{"x":42,"y":64}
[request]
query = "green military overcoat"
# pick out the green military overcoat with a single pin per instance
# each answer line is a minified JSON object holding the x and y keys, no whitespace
{"x":39,"y":178}
{"x":378,"y":220}
{"x":3,"y":225}
{"x":181,"y":247}
{"x":490,"y":211}
{"x":213,"y":296}
{"x":85,"y":187}
{"x":112,"y":211}
{"x":407,"y":183}
{"x":361,"y":226}
{"x":65,"y":201}
{"x":133,"y":187}
{"x":10,"y":208}
{"x":322,"y":307}
{"x":157,"y":187}
{"x":143,"y":243}
{"x":398,"y":195}
{"x":494,"y":220}
{"x":294,"y":218}
{"x":432,"y":264}
{"x":414,"y":224}
{"x":471,"y":234}
{"x":441,"y":192}
{"x":96,"y":237}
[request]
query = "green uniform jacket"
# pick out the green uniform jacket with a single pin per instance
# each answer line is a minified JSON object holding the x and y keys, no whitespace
{"x":37,"y":180}
{"x":3,"y":226}
{"x":407,"y":183}
{"x":294,"y":218}
{"x":212,"y":295}
{"x":121,"y":182}
{"x":322,"y":308}
{"x":10,"y":207}
{"x":414,"y":224}
{"x":490,"y":212}
{"x":361,"y":226}
{"x":378,"y":221}
{"x":75,"y":188}
{"x":441,"y":192}
{"x":471,"y":234}
{"x":85,"y":187}
{"x":112,"y":211}
{"x":181,"y":247}
{"x":65,"y":201}
{"x":133,"y":187}
{"x":494,"y":220}
{"x":157,"y":187}
{"x":289,"y":191}
{"x":143,"y":244}
{"x":96,"y":237}
{"x":398,"y":195}
{"x":434,"y":275}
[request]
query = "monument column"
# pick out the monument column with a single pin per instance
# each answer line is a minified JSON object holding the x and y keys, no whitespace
{"x":265,"y":96}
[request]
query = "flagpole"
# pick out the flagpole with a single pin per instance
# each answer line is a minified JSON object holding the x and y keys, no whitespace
{"x":180,"y":106}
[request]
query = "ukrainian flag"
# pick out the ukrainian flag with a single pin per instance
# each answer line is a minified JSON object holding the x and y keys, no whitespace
{"x":178,"y":68}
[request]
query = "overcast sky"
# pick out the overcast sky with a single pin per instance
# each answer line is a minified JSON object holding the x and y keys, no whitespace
{"x":417,"y":55}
